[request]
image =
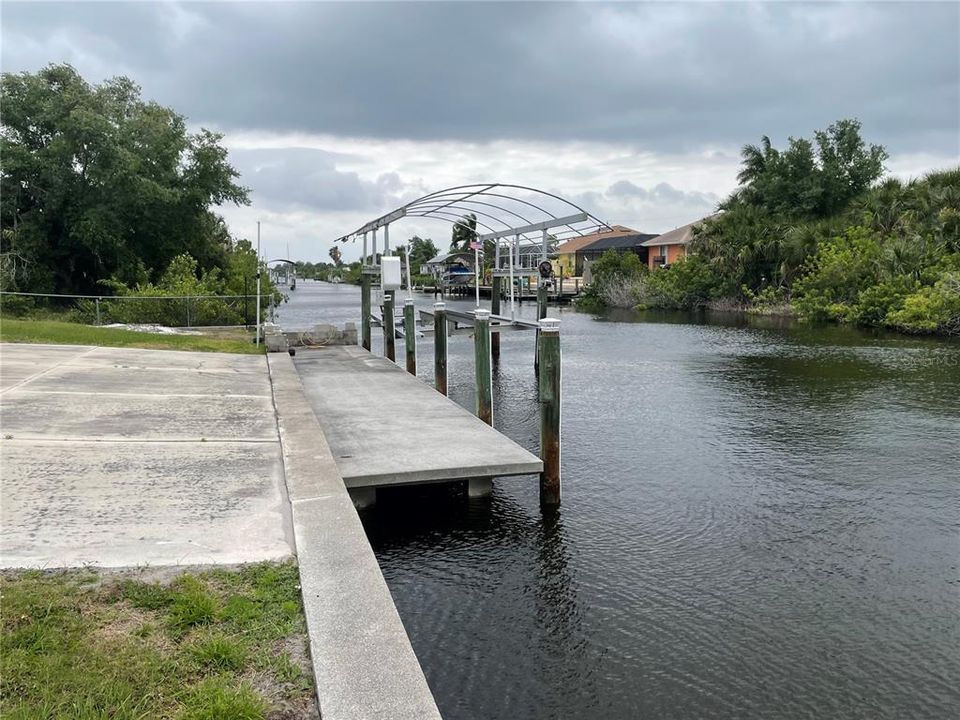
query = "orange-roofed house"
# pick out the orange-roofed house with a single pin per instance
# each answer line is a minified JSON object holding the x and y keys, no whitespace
{"x":666,"y":249}
{"x":569,"y":260}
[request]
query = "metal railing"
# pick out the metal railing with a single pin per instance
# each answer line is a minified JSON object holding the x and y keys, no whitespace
{"x":168,"y":310}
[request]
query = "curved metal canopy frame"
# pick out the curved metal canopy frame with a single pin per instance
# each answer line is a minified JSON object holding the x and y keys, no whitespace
{"x":505,"y":209}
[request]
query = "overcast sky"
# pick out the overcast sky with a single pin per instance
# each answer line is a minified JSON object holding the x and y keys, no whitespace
{"x":336,"y":113}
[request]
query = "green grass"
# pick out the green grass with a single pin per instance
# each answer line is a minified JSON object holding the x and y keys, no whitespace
{"x":66,"y":333}
{"x":205,"y":646}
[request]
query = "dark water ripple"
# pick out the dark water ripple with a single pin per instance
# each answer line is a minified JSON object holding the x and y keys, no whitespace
{"x":759,"y":521}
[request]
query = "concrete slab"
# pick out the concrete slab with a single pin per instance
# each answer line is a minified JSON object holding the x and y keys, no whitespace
{"x":385,"y":427}
{"x":363,"y":662}
{"x":72,"y":415}
{"x":101,"y":466}
{"x":22,"y":362}
{"x":172,"y":360}
{"x":42,"y":354}
{"x":135,"y":503}
{"x":89,"y":378}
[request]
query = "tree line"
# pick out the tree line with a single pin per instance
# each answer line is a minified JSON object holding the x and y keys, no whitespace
{"x":103,"y":193}
{"x":816,"y":230}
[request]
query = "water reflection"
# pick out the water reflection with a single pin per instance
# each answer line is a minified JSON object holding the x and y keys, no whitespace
{"x":454,"y":564}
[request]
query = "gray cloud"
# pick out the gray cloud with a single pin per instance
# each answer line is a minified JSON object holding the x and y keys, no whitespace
{"x":304,"y":178}
{"x":661,"y":77}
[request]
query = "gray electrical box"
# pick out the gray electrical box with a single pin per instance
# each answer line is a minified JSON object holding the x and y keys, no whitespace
{"x":390,"y":273}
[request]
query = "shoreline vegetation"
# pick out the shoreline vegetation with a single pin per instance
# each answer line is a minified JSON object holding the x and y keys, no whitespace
{"x":813,"y":233}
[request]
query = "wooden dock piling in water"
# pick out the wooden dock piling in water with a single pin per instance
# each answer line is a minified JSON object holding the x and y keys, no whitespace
{"x":542,"y":297}
{"x":440,"y":347}
{"x":365,"y":314}
{"x":410,"y":335}
{"x":389,"y":331}
{"x":483,"y":364}
{"x":549,"y":392}
{"x":495,"y":310}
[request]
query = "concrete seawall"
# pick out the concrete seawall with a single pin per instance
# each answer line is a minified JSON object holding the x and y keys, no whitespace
{"x":363,"y":662}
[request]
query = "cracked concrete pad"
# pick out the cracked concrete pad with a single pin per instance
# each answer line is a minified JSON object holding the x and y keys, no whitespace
{"x":132,"y":503}
{"x":21,"y":362}
{"x":123,"y":457}
{"x":65,"y":415}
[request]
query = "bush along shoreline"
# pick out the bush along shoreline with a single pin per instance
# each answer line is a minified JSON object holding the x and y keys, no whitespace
{"x":813,"y":232}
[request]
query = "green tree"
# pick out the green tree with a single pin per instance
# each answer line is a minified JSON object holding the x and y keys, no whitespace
{"x":788,"y":202}
{"x":98,"y":183}
{"x":422,"y":250}
{"x":464,"y":233}
{"x":336,"y":256}
{"x":810,"y":179}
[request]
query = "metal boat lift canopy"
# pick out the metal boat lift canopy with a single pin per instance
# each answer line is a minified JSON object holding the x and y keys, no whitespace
{"x":501,"y":210}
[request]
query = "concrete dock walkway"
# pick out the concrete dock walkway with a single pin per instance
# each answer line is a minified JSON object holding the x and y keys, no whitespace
{"x":386,"y":427}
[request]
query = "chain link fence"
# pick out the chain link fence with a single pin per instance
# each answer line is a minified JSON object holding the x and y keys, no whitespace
{"x":167,"y":310}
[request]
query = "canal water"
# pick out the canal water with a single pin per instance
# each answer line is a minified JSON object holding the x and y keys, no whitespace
{"x":759,"y":520}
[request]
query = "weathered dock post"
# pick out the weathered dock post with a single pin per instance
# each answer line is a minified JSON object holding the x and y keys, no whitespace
{"x":389,"y":332}
{"x":549,"y":390}
{"x":495,"y":310}
{"x":484,"y":372}
{"x":440,"y":347}
{"x":365,"y":318}
{"x":542,"y":300}
{"x":541,"y":314}
{"x":410,"y":335}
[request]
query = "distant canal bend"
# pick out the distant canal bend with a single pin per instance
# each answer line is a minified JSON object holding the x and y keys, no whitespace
{"x":757,"y":522}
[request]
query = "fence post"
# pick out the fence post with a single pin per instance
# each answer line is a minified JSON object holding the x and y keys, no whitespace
{"x":549,"y":391}
{"x":98,"y":310}
{"x":389,"y":333}
{"x":481,"y":346}
{"x":410,"y":335}
{"x":440,"y":347}
{"x":189,"y":304}
{"x":365,"y":309}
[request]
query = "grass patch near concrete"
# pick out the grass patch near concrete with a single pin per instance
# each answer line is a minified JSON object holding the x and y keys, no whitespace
{"x":65,"y":333}
{"x":209,"y":645}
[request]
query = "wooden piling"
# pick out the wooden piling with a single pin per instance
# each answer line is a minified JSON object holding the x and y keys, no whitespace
{"x":483,"y":365}
{"x":541,"y":314}
{"x":549,"y":391}
{"x":389,"y":332}
{"x":440,"y":347}
{"x":410,"y":335}
{"x":365,"y":311}
{"x":495,"y":310}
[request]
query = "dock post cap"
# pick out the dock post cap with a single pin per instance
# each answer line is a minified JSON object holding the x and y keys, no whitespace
{"x":481,"y":314}
{"x":408,"y":301}
{"x":550,"y":325}
{"x":439,"y":306}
